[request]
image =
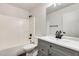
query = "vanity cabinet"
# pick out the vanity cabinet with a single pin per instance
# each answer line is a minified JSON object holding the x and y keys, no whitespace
{"x":49,"y":49}
{"x":61,"y":51}
{"x":43,"y":47}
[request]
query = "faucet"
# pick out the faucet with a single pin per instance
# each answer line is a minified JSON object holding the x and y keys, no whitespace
{"x":30,"y":36}
{"x":31,"y":39}
{"x":59,"y":34}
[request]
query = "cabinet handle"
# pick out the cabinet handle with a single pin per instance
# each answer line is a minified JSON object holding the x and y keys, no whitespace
{"x":50,"y":46}
{"x":42,"y":49}
{"x":49,"y":54}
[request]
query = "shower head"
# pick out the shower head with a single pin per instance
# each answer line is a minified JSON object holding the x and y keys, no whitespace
{"x":30,"y":16}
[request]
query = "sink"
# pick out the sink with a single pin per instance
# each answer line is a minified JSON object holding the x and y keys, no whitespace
{"x":29,"y":47}
{"x":59,"y":40}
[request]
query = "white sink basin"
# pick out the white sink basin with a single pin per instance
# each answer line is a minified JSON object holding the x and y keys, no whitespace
{"x":29,"y":47}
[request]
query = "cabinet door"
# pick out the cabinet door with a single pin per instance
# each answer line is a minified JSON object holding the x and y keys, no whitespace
{"x":63,"y":51}
{"x":55,"y":52}
{"x":44,"y":50}
{"x":43,"y":43}
{"x":43,"y":47}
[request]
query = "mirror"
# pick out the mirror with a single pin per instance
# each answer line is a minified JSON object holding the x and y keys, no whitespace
{"x":64,"y":17}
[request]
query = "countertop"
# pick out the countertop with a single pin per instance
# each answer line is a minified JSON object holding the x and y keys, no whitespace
{"x":65,"y":42}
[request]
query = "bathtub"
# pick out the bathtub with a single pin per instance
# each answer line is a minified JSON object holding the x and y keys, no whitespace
{"x":16,"y":50}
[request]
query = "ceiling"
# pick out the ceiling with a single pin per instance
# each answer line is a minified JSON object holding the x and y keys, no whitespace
{"x":50,"y":9}
{"x":26,"y":6}
{"x":58,"y":6}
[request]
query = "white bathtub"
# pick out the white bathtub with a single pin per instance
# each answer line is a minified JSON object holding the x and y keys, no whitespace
{"x":16,"y":50}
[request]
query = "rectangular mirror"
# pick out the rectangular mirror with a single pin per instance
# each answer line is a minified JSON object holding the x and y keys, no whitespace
{"x":64,"y":17}
{"x":71,"y":23}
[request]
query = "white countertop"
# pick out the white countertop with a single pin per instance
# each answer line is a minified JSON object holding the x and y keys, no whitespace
{"x":68,"y":43}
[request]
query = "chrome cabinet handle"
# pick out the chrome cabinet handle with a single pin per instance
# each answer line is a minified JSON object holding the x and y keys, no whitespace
{"x":49,"y":54}
{"x":50,"y":46}
{"x":42,"y":49}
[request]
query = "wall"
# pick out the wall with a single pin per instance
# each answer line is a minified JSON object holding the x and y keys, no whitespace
{"x":57,"y":17}
{"x":13,"y":26}
{"x":10,"y":10}
{"x":40,"y":20}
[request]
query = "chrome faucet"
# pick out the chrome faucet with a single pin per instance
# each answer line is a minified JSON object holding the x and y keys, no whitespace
{"x":59,"y":34}
{"x":30,"y":36}
{"x":31,"y":39}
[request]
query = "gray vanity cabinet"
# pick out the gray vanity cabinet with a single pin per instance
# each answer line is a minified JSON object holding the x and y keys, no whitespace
{"x":43,"y":47}
{"x":61,"y":51}
{"x":49,"y":49}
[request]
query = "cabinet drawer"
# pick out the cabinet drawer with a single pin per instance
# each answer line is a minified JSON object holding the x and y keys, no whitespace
{"x":65,"y":51}
{"x":44,"y":50}
{"x":55,"y":52}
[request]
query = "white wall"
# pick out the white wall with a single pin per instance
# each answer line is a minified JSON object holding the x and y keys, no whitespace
{"x":57,"y":16}
{"x":40,"y":20}
{"x":13,"y":26}
{"x":10,"y":10}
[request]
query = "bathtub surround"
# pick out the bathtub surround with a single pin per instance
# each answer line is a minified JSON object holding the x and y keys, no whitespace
{"x":14,"y":27}
{"x":32,"y":30}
